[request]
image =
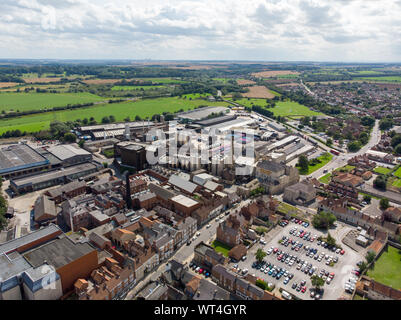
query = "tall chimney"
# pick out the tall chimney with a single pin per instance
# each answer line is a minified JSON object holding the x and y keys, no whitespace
{"x":128,"y":193}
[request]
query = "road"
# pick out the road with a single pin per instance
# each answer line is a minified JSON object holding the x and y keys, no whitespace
{"x":342,"y":159}
{"x":307,"y":89}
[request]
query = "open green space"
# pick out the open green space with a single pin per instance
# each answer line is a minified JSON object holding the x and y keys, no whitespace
{"x":221,"y":247}
{"x":130,"y":88}
{"x":346,"y":168}
{"x":395,"y":182}
{"x":162,"y":80}
{"x":326,"y":178}
{"x":196,"y":95}
{"x":37,"y":101}
{"x":324,"y":159}
{"x":142,"y":108}
{"x":387,"y":268}
{"x":397,"y":173}
{"x":382,"y":170}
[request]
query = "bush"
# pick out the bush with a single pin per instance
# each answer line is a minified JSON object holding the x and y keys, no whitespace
{"x":323,"y":220}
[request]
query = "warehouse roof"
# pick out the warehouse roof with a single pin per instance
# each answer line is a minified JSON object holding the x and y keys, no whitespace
{"x":58,"y":253}
{"x":183,"y":184}
{"x":20,"y":156}
{"x":67,"y":151}
{"x":184,"y":201}
{"x":201,"y":113}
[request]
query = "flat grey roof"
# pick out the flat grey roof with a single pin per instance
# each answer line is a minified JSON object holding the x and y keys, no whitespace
{"x":30,"y":237}
{"x":51,"y":175}
{"x":201,"y":113}
{"x":67,"y":151}
{"x":116,"y":126}
{"x":58,"y":253}
{"x":19,"y":156}
{"x":12,"y":265}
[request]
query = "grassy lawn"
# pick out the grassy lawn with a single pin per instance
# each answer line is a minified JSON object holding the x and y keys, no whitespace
{"x":365,"y":194}
{"x":396,"y":183}
{"x":324,"y":159}
{"x":397,"y":173}
{"x":346,"y":168}
{"x":382,"y":170}
{"x":37,"y":101}
{"x":221,"y":247}
{"x":196,"y":95}
{"x":326,"y":178}
{"x":143,"y":108}
{"x":286,"y":208}
{"x":387,"y":269}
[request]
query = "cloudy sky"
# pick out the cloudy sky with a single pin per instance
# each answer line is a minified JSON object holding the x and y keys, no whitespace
{"x":270,"y":30}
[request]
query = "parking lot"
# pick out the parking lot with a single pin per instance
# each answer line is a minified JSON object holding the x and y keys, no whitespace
{"x":300,"y":262}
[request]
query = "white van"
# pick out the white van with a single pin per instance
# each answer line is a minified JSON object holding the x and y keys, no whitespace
{"x":286,"y":295}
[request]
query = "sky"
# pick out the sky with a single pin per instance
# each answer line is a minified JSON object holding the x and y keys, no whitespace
{"x":269,"y":30}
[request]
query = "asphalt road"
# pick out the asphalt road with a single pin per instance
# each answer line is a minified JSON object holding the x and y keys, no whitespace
{"x":342,"y":159}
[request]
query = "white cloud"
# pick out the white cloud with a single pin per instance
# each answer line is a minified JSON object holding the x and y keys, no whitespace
{"x":348,"y":30}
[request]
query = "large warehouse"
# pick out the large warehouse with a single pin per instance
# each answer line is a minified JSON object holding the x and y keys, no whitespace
{"x":21,"y":159}
{"x":70,"y":155}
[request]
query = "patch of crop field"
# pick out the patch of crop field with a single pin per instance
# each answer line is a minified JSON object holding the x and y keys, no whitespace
{"x":102,"y":81}
{"x":274,"y":73}
{"x":244,"y":82}
{"x":363,"y":72}
{"x":8,"y":84}
{"x":130,"y":88}
{"x":396,"y":79}
{"x":291,"y":108}
{"x":288,"y":76}
{"x":258,"y":92}
{"x":162,"y":80}
{"x":36,"y":101}
{"x":42,"y":80}
{"x":143,"y":108}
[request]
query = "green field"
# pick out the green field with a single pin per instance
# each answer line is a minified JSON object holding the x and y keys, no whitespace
{"x":162,"y":80}
{"x":143,"y":108}
{"x":130,"y":88}
{"x":326,"y":178}
{"x":387,"y":268}
{"x":38,"y":101}
{"x":397,"y":173}
{"x":221,"y":247}
{"x":382,"y":170}
{"x":396,"y":183}
{"x":282,"y":108}
{"x":325,"y":158}
{"x":346,"y":168}
{"x":395,"y":79}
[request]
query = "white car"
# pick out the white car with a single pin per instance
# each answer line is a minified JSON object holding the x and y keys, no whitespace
{"x":217,"y":219}
{"x":198,"y":234}
{"x":208,"y":226}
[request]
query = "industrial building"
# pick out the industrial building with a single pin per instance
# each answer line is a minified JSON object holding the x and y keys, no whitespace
{"x":51,"y":178}
{"x":70,"y":155}
{"x":131,"y":154}
{"x":200,"y":113}
{"x":21,"y":159}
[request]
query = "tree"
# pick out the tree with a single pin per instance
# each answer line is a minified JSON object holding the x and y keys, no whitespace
{"x":384,"y":203}
{"x":370,"y":257}
{"x":329,"y":142}
{"x":260,"y":255}
{"x":396,"y":140}
{"x":330,"y":240}
{"x":303,"y":163}
{"x":138,"y":118}
{"x":380,"y":183}
{"x":397,"y":149}
{"x":354,"y":146}
{"x":367,"y":198}
{"x":317,"y":282}
{"x":69,"y":137}
{"x":363,"y":266}
{"x":323,"y":220}
{"x":105,"y":119}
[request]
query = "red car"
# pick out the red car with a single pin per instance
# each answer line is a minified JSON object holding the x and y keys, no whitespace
{"x":300,"y":222}
{"x":342,"y":251}
{"x":275,"y":250}
{"x":200,"y":271}
{"x":303,"y":289}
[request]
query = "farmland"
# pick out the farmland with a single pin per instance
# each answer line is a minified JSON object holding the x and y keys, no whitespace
{"x":130,"y":88}
{"x":395,"y":79}
{"x":282,"y":108}
{"x":143,"y":108}
{"x":258,"y":92}
{"x":277,"y":73}
{"x":37,"y":101}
